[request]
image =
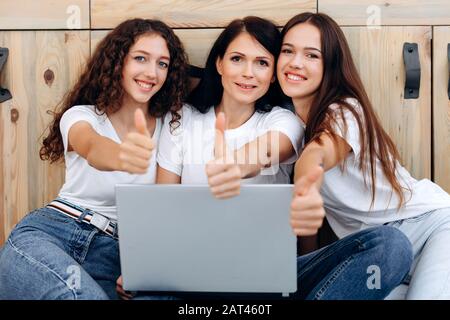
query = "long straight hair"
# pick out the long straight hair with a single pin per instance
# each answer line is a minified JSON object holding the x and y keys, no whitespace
{"x":341,"y":81}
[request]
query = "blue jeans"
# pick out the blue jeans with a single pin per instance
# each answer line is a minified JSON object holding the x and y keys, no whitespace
{"x":364,"y":266}
{"x":51,"y":256}
{"x":429,"y":277}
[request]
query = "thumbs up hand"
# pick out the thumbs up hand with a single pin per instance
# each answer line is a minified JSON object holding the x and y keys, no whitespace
{"x":136,"y":149}
{"x":307,"y":212}
{"x":224,"y":175}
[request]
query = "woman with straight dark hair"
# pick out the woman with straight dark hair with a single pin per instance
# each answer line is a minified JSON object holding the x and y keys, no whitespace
{"x":107,"y":130}
{"x":232,"y":114}
{"x":364,"y":184}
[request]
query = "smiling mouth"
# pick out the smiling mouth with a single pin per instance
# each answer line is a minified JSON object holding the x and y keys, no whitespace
{"x":295,"y":77}
{"x":245,"y":86}
{"x":145,"y":85}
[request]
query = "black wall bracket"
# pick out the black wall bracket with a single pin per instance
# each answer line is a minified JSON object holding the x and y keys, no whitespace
{"x":4,"y":93}
{"x":412,"y":69}
{"x":448,"y":59}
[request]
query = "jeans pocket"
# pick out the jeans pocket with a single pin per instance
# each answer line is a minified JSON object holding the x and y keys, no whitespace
{"x":53,"y":215}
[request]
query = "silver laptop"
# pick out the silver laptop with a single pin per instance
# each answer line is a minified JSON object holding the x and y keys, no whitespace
{"x":180,"y":238}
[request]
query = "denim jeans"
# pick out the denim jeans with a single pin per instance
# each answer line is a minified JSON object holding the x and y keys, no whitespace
{"x":364,"y":266}
{"x":51,"y":256}
{"x":429,"y":277}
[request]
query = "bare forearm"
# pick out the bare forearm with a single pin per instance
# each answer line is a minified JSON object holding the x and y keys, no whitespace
{"x":103,"y":154}
{"x":310,"y":158}
{"x":267,"y":150}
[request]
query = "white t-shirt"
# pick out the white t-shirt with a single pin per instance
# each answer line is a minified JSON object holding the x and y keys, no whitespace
{"x":347,"y":200}
{"x":189,"y":147}
{"x":86,"y":186}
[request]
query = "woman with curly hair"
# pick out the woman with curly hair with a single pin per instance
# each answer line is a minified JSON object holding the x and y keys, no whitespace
{"x":107,"y":130}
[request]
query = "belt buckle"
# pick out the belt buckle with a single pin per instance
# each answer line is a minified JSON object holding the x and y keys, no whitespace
{"x":100,"y":221}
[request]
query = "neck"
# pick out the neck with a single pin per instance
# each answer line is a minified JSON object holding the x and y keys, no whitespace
{"x":236,"y":114}
{"x":302,"y":107}
{"x":126,"y":112}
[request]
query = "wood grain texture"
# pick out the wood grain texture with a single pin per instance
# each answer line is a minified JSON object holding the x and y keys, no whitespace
{"x":44,"y":14}
{"x":441,"y":107}
{"x":106,"y":14}
{"x":378,"y":55}
{"x":41,"y":67}
{"x":197,"y":42}
{"x":391,"y":12}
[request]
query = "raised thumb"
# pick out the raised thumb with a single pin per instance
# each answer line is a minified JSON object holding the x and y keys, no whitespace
{"x":219,"y":142}
{"x":305,"y":183}
{"x":140,"y":122}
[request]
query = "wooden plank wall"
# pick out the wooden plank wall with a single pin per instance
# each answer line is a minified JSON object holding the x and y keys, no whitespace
{"x":407,"y":121}
{"x":44,"y":14}
{"x":441,"y":106}
{"x":50,"y":40}
{"x":194,"y":14}
{"x":42,"y":65}
{"x":391,"y":12}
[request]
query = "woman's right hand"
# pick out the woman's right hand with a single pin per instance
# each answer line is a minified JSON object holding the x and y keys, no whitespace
{"x":224,"y":175}
{"x":136,"y":150}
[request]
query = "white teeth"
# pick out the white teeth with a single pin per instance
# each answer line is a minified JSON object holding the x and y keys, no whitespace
{"x":245,"y":87}
{"x":294,"y":77}
{"x":144,"y":85}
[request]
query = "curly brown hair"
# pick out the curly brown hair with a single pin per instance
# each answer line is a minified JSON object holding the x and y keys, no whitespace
{"x":104,"y":70}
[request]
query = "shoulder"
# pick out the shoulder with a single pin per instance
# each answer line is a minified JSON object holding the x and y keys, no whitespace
{"x":352,"y":103}
{"x":187,"y":114}
{"x":282,"y":112}
{"x":87,"y":113}
{"x":88,"y":109}
{"x":279,"y":114}
{"x":351,"y":111}
{"x":84,"y":111}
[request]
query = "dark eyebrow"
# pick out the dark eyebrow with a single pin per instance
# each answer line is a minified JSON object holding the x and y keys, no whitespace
{"x":306,"y":48}
{"x":148,"y":54}
{"x":241,"y":54}
{"x":312,"y":48}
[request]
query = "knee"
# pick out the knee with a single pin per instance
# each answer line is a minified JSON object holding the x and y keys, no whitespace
{"x":395,"y":252}
{"x":23,"y":277}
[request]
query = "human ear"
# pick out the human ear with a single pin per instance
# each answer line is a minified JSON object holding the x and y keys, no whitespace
{"x":219,"y":65}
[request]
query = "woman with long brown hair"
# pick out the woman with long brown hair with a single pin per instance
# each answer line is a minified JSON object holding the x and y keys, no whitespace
{"x":364,"y":184}
{"x":107,"y":131}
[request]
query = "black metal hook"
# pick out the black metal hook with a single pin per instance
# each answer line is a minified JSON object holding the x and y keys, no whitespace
{"x":412,"y":69}
{"x":448,"y":58}
{"x":4,"y":93}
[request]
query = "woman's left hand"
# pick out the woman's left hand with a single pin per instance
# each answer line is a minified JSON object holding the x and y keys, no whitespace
{"x":124,"y":295}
